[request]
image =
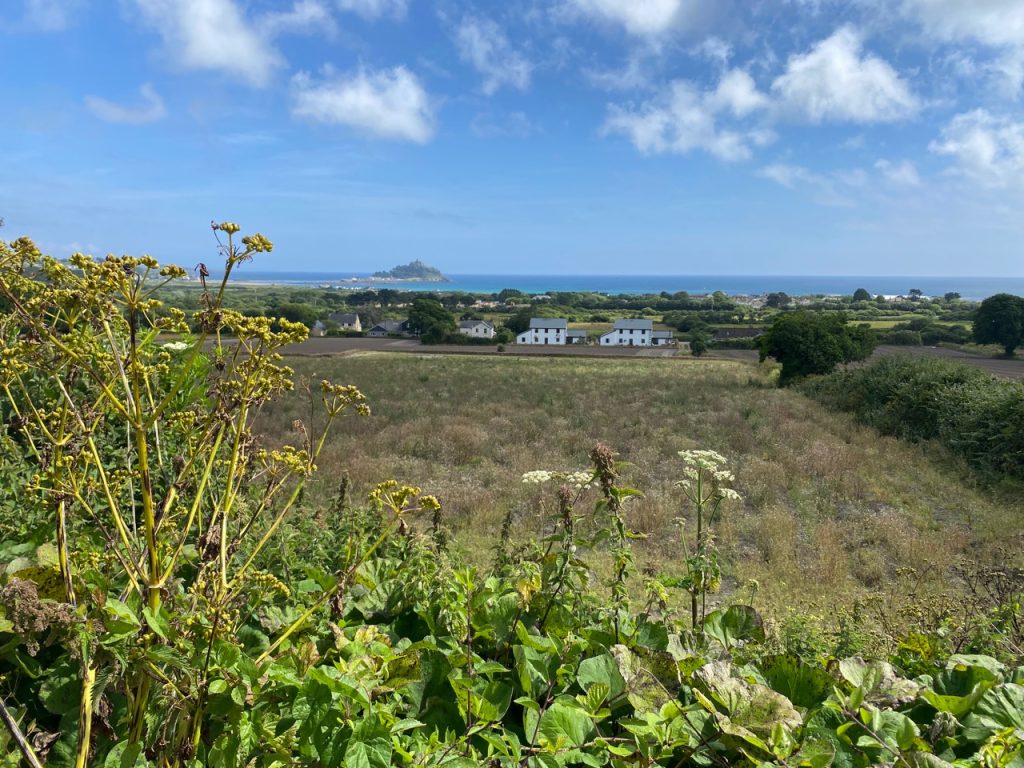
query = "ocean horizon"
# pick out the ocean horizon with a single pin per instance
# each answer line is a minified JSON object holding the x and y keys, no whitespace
{"x":734,"y":285}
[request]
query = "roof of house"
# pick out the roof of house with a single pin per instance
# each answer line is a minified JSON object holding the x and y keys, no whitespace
{"x":473,"y":323}
{"x":663,"y":334}
{"x":550,"y":323}
{"x":634,"y":325}
{"x":390,"y":326}
{"x":576,"y":334}
{"x":738,"y":333}
{"x":344,"y":318}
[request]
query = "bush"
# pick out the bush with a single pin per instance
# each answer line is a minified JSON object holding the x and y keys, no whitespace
{"x":903,"y":338}
{"x":975,"y":415}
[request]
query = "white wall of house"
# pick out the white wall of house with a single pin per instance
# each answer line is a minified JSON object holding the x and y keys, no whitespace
{"x":541,"y":336}
{"x":478,"y":331}
{"x":631,"y":337}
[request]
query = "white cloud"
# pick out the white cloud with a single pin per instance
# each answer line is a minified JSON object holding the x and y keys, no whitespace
{"x":390,"y":104}
{"x":151,"y":111}
{"x":639,"y":17}
{"x":990,"y":22}
{"x":737,"y":92}
{"x":902,"y":173}
{"x":482,"y":43}
{"x":986,"y":148}
{"x":827,"y":189}
{"x":684,"y":119}
{"x":213,"y":35}
{"x":375,"y":9}
{"x":836,"y":81}
{"x":305,"y":16}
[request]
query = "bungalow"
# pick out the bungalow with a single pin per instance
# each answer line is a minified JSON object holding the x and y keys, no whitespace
{"x":476,"y":329}
{"x":663,"y":339}
{"x":629,"y":333}
{"x":389,"y":328}
{"x":346,"y":321}
{"x":576,"y":337}
{"x":545,"y":330}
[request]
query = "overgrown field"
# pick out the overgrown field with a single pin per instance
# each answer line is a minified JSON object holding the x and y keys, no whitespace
{"x":835,"y":517}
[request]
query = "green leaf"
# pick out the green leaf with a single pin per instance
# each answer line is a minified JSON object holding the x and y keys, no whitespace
{"x":736,"y":624}
{"x":601,"y":669}
{"x":803,"y":684}
{"x":157,"y":621}
{"x":564,"y":725}
{"x":1000,"y":708}
{"x":878,"y":682}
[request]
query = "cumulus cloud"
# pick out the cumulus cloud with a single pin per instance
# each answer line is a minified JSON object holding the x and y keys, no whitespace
{"x":151,"y":111}
{"x":389,"y":103}
{"x":832,"y":189}
{"x":685,"y":118}
{"x":376,"y":9}
{"x":213,"y":35}
{"x":986,"y":148}
{"x":482,"y":43}
{"x":638,"y":17}
{"x":837,"y":82}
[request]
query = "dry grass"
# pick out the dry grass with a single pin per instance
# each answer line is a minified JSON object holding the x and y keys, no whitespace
{"x":831,"y":509}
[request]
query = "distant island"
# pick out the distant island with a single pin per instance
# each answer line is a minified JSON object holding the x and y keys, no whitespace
{"x":414,"y":270}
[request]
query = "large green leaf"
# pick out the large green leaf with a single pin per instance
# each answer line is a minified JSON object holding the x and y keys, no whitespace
{"x":1000,"y":708}
{"x":958,"y":688}
{"x":803,"y":684}
{"x":601,"y":669}
{"x":736,"y":624}
{"x":565,"y":725}
{"x":752,"y":706}
{"x":879,"y":682}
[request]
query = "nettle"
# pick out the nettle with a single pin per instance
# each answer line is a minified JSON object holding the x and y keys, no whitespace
{"x":163,"y":604}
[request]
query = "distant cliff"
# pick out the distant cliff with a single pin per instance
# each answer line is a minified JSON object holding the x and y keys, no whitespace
{"x":414,"y":270}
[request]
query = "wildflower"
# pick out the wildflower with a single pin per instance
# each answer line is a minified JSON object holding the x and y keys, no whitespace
{"x":175,"y":346}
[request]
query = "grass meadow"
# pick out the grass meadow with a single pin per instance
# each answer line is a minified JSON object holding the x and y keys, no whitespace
{"x":833,"y":515}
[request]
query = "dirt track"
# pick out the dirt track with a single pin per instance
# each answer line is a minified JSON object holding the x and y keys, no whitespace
{"x":331,"y":346}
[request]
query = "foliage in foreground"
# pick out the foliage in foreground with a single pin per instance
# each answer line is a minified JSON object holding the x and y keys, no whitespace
{"x":152,"y":618}
{"x":976,"y":415}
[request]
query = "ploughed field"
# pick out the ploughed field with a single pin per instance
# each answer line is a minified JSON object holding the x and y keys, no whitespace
{"x":834,"y":517}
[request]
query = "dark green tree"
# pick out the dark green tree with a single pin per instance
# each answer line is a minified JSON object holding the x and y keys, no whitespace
{"x":298,"y":313}
{"x":432,"y":321}
{"x":814,"y":343}
{"x":1000,"y":320}
{"x":777,"y":300}
{"x":519,"y":322}
{"x":699,"y":343}
{"x":861,"y":294}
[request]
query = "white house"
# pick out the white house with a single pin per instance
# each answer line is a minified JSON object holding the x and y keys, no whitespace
{"x":476,"y":329}
{"x":545,"y":330}
{"x":663,"y":339}
{"x":629,"y":333}
{"x":347,"y":321}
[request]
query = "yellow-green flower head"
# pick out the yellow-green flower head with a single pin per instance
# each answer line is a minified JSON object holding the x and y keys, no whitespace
{"x":227,"y":227}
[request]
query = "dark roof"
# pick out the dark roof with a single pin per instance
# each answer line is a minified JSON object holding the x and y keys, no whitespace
{"x":634,"y":325}
{"x":737,"y":333}
{"x":552,"y":323}
{"x":576,"y":334}
{"x":663,"y":334}
{"x":390,"y":326}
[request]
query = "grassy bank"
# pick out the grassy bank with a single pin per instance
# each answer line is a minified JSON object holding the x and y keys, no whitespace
{"x":833,"y":513}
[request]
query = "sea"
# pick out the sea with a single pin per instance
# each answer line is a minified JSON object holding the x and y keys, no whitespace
{"x":734,"y":285}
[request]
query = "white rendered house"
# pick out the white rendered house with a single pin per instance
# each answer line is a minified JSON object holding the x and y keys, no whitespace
{"x":476,"y":329}
{"x":545,"y":330}
{"x":629,"y":333}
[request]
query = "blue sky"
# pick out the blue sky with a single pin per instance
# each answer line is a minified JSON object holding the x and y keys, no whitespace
{"x":523,"y":136}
